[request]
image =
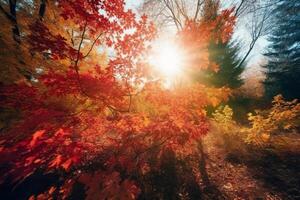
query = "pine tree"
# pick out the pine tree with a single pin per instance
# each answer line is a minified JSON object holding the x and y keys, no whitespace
{"x":283,"y":68}
{"x":225,"y":55}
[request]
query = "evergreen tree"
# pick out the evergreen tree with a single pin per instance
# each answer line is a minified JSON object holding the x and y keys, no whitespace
{"x":225,"y":55}
{"x":283,"y":68}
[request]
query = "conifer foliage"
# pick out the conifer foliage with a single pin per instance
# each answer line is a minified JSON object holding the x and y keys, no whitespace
{"x":283,"y":56}
{"x":226,"y":56}
{"x":223,"y":55}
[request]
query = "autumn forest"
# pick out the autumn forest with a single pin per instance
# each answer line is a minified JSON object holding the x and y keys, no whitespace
{"x":150,"y":99}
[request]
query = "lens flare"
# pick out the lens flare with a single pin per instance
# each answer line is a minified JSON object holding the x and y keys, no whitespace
{"x":167,"y":59}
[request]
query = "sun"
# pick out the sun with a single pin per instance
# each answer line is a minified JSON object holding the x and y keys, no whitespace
{"x":167,"y":59}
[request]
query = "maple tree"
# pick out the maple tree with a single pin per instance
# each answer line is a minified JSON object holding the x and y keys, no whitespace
{"x":102,"y":120}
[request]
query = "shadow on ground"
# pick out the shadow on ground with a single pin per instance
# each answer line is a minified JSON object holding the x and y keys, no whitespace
{"x":277,"y":172}
{"x":176,"y":180}
{"x":33,"y":185}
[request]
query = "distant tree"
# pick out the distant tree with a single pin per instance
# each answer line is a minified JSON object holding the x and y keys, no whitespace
{"x":283,"y":68}
{"x":253,"y":81}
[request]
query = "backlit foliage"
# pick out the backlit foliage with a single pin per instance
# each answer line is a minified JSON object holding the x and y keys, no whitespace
{"x":282,"y":117}
{"x":198,"y":35}
{"x":223,"y":117}
{"x":93,"y":118}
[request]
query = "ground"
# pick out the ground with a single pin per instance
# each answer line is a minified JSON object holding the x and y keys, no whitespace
{"x":262,"y":175}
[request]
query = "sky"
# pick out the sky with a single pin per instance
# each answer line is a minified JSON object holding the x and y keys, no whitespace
{"x":133,"y":3}
{"x":241,"y":33}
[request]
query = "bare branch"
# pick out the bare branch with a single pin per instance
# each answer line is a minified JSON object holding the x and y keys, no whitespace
{"x":237,"y":11}
{"x":199,"y":3}
{"x":257,"y":29}
{"x":169,"y":5}
{"x":12,"y":17}
{"x":93,"y":44}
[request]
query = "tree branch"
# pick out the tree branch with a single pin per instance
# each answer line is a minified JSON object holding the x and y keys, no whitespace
{"x":255,"y":37}
{"x":76,"y":68}
{"x":175,"y":19}
{"x":236,"y":14}
{"x":92,"y":46}
{"x":199,"y":3}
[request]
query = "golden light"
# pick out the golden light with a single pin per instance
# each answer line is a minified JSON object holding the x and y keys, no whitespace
{"x":167,"y":59}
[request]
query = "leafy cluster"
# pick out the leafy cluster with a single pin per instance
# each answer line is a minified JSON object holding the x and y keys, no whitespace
{"x":223,"y":116}
{"x":103,"y":123}
{"x":282,"y":117}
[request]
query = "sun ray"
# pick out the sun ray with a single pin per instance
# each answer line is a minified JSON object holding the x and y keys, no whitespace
{"x":167,"y":59}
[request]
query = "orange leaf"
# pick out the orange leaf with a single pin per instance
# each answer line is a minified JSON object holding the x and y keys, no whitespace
{"x":51,"y":190}
{"x":66,"y":165}
{"x":56,"y":162}
{"x":38,"y":134}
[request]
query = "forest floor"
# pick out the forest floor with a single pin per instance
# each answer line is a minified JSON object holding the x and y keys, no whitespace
{"x":238,"y":174}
